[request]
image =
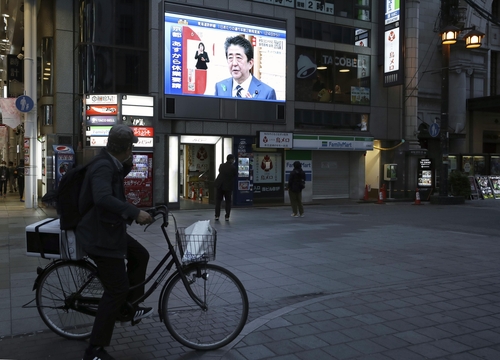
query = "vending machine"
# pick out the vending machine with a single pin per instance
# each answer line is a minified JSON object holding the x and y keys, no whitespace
{"x":64,"y":159}
{"x":139,"y":182}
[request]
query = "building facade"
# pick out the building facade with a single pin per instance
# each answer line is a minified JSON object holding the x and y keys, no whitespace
{"x":333,"y":109}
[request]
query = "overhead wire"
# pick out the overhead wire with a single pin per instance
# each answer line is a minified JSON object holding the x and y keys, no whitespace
{"x":427,"y":64}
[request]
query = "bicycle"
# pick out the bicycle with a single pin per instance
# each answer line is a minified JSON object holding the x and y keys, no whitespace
{"x":203,"y":306}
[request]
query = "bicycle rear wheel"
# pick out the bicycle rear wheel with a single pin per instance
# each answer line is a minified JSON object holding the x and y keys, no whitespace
{"x":226,"y":307}
{"x":59,"y":293}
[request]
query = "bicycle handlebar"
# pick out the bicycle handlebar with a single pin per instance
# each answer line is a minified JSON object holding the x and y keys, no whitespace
{"x":155,"y":212}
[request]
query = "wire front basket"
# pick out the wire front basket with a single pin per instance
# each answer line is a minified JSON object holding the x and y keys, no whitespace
{"x":196,"y":248}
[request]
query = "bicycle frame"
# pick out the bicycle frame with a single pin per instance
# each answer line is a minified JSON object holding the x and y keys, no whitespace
{"x":174,"y":261}
{"x":81,"y":304}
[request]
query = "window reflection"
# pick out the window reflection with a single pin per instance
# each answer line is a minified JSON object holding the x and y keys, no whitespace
{"x":317,"y":30}
{"x":332,"y":120}
{"x":332,"y":77}
{"x":113,"y":50}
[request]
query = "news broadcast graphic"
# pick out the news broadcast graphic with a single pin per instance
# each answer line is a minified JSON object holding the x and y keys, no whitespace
{"x":184,"y":75}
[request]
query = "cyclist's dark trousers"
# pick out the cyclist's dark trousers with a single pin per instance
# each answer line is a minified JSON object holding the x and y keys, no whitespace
{"x":219,"y":195}
{"x":116,"y":277}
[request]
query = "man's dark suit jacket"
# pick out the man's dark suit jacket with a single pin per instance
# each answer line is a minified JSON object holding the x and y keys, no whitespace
{"x":227,"y":172}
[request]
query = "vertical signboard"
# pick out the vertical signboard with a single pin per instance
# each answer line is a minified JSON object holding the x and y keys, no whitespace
{"x":15,"y":69}
{"x":425,"y":173}
{"x":393,"y":42}
{"x":101,"y":113}
{"x":244,"y":163}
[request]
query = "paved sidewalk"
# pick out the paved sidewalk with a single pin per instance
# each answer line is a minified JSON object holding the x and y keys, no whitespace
{"x":348,"y":281}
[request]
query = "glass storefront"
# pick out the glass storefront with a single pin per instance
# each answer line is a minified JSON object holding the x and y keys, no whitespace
{"x":332,"y":77}
{"x":480,"y":164}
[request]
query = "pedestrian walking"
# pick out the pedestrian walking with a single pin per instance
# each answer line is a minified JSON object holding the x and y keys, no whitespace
{"x":4,"y":177}
{"x":12,"y":177}
{"x":296,"y":183}
{"x":224,"y":186}
{"x":20,"y":179}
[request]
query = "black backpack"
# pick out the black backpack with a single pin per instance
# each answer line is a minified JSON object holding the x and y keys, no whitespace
{"x":65,"y":197}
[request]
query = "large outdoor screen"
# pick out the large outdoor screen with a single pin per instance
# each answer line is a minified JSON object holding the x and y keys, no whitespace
{"x":196,"y":62}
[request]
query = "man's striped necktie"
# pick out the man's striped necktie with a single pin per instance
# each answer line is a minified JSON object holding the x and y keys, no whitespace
{"x":238,"y":91}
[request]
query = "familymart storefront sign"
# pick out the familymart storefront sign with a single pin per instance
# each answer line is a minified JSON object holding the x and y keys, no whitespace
{"x":327,"y":142}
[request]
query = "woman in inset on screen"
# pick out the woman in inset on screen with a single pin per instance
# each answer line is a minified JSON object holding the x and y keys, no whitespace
{"x":202,"y":57}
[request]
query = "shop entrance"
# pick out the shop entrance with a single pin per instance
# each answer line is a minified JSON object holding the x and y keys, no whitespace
{"x":193,"y":167}
{"x":196,"y":175}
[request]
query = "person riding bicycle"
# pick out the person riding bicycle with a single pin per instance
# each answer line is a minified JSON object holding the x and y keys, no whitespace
{"x":103,"y":234}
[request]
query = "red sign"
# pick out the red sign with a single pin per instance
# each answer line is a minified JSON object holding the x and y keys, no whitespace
{"x":142,"y":131}
{"x":102,"y":110}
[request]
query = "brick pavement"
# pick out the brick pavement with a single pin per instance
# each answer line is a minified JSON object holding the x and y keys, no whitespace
{"x":348,"y":281}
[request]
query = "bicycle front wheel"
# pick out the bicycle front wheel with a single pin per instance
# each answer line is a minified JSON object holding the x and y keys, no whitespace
{"x":67,"y":297}
{"x":225,"y":313}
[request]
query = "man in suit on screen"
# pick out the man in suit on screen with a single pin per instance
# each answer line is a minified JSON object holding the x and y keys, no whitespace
{"x":241,"y":84}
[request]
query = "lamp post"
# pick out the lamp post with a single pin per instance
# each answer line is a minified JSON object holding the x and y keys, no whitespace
{"x":449,"y":36}
{"x":443,"y":136}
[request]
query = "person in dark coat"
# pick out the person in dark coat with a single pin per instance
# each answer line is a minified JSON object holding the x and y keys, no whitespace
{"x":4,"y":178}
{"x":12,"y":177}
{"x":296,"y":183}
{"x":103,"y":234}
{"x":224,"y":186}
{"x":20,"y":179}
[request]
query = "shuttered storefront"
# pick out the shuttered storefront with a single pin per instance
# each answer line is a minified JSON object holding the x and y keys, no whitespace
{"x":330,"y":174}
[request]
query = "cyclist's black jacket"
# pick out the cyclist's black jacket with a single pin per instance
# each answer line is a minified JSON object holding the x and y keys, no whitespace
{"x":103,"y":229}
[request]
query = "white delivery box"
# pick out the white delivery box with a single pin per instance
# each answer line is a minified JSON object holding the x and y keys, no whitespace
{"x":46,"y":239}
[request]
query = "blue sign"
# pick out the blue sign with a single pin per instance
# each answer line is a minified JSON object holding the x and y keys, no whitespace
{"x":434,"y":129}
{"x":24,"y":103}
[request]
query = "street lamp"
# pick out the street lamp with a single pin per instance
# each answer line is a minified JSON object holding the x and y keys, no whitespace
{"x":449,"y":36}
{"x":473,"y":39}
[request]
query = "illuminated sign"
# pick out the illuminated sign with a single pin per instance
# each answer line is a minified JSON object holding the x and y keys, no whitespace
{"x":101,"y":120}
{"x":391,"y":50}
{"x":101,"y":141}
{"x":275,"y":140}
{"x":102,"y":109}
{"x":324,"y":142}
{"x":97,"y":130}
{"x":392,"y":11}
{"x":94,"y":99}
{"x":393,"y":44}
{"x":142,"y":131}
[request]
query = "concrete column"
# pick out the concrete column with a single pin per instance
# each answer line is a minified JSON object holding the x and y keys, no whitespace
{"x":457,"y":111}
{"x":30,"y":190}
